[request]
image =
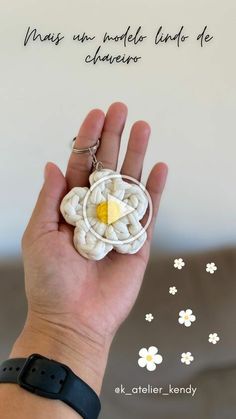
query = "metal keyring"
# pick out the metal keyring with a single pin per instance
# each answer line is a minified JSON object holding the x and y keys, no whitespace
{"x":92,"y":150}
{"x":97,"y":165}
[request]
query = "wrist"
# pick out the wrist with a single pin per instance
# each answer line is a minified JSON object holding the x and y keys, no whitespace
{"x":83,"y":354}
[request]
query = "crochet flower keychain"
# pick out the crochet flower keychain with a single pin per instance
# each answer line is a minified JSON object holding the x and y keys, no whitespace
{"x":107,"y":215}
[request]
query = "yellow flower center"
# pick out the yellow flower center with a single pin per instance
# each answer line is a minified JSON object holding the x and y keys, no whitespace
{"x":149,"y":358}
{"x":108,"y":212}
{"x":186,"y":317}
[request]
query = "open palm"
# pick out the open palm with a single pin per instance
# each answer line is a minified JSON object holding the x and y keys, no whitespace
{"x":95,"y":296}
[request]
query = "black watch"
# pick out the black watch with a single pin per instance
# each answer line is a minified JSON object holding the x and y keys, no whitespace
{"x":53,"y":380}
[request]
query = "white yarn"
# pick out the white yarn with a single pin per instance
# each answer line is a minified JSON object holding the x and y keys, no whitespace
{"x":85,"y":241}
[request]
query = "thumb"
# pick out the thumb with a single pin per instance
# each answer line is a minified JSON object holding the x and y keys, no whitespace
{"x":46,"y":214}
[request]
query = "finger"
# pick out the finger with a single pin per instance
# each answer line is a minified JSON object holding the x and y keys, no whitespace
{"x":46,"y":214}
{"x":108,"y":151}
{"x":137,"y":146}
{"x":79,"y":165}
{"x":155,"y":186}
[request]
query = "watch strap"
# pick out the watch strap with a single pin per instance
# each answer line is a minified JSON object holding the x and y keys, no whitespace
{"x":52,"y":379}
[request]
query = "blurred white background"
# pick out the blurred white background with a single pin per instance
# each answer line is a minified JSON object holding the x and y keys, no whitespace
{"x":187,"y":95}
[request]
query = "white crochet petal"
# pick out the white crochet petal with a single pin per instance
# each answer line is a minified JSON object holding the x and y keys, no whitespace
{"x":121,"y":230}
{"x":114,"y":186}
{"x":110,"y":233}
{"x":96,"y":196}
{"x":91,"y":210}
{"x":72,"y":205}
{"x":135,"y":228}
{"x":87,"y":243}
{"x":133,"y":218}
{"x":136,"y":198}
{"x":98,"y":174}
{"x":117,"y":188}
{"x":132,"y":247}
{"x":99,"y":227}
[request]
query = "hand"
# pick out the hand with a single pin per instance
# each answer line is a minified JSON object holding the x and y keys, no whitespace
{"x":74,"y":302}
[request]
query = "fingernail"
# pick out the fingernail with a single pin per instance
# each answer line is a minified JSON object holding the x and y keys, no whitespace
{"x":45,"y":170}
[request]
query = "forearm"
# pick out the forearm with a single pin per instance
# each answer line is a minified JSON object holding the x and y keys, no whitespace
{"x":87,"y":360}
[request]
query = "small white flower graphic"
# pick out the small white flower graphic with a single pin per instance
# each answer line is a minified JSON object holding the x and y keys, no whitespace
{"x":213,"y":338}
{"x":186,"y":317}
{"x":149,"y":358}
{"x":172,"y":290}
{"x":187,"y":358}
{"x":211,"y":267}
{"x":149,"y":317}
{"x":179,"y":263}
